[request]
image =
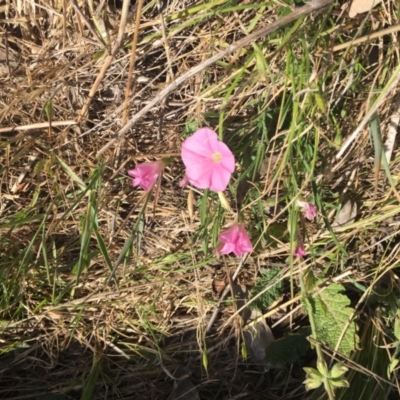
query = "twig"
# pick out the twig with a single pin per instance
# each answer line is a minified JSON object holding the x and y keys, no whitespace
{"x":108,"y":60}
{"x":297,"y":13}
{"x":368,"y":38}
{"x":38,"y":125}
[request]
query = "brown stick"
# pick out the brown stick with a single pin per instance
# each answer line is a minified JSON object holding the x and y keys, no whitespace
{"x":38,"y":125}
{"x":108,"y":60}
{"x":132,"y":60}
{"x":297,"y":13}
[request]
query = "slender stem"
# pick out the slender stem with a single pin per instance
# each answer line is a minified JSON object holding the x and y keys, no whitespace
{"x":328,"y":389}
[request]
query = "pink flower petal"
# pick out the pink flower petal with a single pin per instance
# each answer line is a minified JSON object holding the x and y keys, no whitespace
{"x":201,"y":143}
{"x":219,"y":179}
{"x":225,"y":248}
{"x":228,"y":235}
{"x":234,"y":240}
{"x":200,"y":174}
{"x":145,"y":174}
{"x":209,"y":163}
{"x":299,"y":251}
{"x":244,"y":240}
{"x":228,"y":160}
{"x":309,"y":209}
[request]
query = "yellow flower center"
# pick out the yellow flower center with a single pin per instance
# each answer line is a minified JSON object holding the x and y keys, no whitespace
{"x":217,"y":157}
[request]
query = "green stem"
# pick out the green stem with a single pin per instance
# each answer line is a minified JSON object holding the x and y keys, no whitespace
{"x":328,"y":388}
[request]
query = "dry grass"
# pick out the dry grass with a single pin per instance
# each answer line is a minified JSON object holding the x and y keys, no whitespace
{"x":80,"y":338}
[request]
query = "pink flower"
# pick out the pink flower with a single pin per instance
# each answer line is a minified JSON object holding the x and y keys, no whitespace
{"x":145,"y":174}
{"x":308,"y":208}
{"x":209,"y":163}
{"x":300,"y":250}
{"x":234,"y":240}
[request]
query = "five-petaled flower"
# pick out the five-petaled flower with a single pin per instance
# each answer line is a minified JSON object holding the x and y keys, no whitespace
{"x":145,"y":174}
{"x":309,"y":209}
{"x":234,"y":240}
{"x":209,"y":162}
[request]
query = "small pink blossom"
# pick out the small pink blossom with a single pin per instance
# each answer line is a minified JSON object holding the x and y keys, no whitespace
{"x":299,"y":251}
{"x":309,"y":209}
{"x":209,"y":162}
{"x":234,"y":240}
{"x":145,"y":174}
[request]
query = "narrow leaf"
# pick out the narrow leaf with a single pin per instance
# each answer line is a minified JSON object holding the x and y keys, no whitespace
{"x":71,"y":173}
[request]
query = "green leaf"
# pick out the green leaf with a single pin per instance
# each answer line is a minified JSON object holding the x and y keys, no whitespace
{"x":71,"y":174}
{"x":339,"y":383}
{"x":338,"y":370}
{"x":392,"y":366}
{"x":48,"y":109}
{"x":103,"y":249}
{"x":314,"y":378}
{"x":312,"y":384}
{"x":269,"y":296}
{"x":331,"y":315}
{"x":275,"y":233}
{"x":261,"y":65}
{"x":320,"y":101}
{"x":99,"y":54}
{"x":288,"y":349}
{"x":205,"y":360}
{"x":91,"y":380}
{"x":397,"y":325}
